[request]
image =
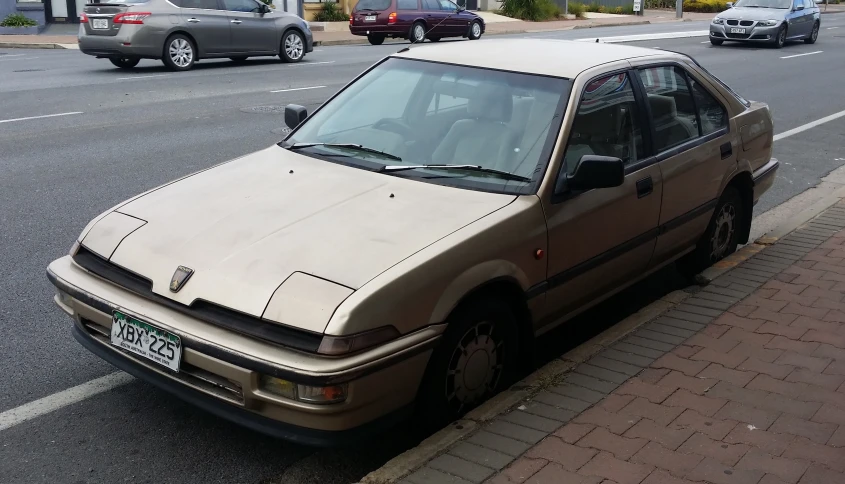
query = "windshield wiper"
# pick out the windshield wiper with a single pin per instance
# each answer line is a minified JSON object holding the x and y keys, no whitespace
{"x":500,"y":173}
{"x":351,"y":146}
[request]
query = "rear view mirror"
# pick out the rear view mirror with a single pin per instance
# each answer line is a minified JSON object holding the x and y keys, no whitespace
{"x":295,"y":115}
{"x":597,"y":172}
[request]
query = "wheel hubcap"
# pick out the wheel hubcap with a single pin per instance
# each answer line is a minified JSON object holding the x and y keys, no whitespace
{"x":723,"y":233}
{"x":293,"y":46}
{"x":476,"y":30}
{"x":419,"y":33}
{"x":181,"y":52}
{"x":475,"y":367}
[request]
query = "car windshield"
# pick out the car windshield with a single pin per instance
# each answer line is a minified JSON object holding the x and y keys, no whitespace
{"x":407,"y":112}
{"x":372,"y":5}
{"x":764,"y":3}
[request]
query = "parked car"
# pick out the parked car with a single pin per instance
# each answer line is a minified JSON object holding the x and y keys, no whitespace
{"x":415,"y":20}
{"x":767,"y":21}
{"x":403,"y":247}
{"x":180,"y":32}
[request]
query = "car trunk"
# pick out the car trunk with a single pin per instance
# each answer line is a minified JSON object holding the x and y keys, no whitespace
{"x":101,"y":18}
{"x":372,"y":12}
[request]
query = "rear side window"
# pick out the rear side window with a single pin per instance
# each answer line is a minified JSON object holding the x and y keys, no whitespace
{"x":672,"y":108}
{"x":406,"y":4}
{"x":372,"y":5}
{"x":711,"y":113}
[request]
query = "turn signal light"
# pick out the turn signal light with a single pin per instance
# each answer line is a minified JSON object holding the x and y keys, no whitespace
{"x":303,"y":393}
{"x":391,"y":19}
{"x":131,"y":17}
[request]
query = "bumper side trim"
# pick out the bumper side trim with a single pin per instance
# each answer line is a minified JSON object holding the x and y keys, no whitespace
{"x":253,"y":364}
{"x":238,"y":415}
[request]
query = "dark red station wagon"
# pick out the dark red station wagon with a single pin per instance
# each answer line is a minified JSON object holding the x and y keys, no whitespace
{"x":415,"y":20}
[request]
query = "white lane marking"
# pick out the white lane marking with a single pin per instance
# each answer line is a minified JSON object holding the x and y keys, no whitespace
{"x":25,"y":58}
{"x":310,"y":63}
{"x":706,"y":42}
{"x":38,"y":117}
{"x":51,"y":403}
{"x":299,"y":89}
{"x":142,"y":77}
{"x":800,"y":55}
{"x":831,"y":28}
{"x":638,"y":37}
{"x":810,"y":125}
{"x":6,"y":56}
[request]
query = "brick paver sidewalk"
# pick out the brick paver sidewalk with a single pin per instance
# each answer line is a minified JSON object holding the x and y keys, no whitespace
{"x":743,"y":383}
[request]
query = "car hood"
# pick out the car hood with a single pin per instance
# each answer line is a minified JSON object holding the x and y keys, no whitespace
{"x":740,"y":13}
{"x":247,"y":226}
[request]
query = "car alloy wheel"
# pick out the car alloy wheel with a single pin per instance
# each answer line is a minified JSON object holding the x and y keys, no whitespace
{"x":475,"y":366}
{"x":724,"y":233}
{"x":475,"y":31}
{"x":418,"y":34}
{"x":181,"y":53}
{"x":294,"y":47}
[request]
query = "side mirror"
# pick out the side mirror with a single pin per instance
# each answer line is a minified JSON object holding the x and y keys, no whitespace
{"x":729,"y":4}
{"x":295,"y":115}
{"x":460,"y":9}
{"x":597,"y":172}
{"x":263,"y":8}
{"x":799,"y":7}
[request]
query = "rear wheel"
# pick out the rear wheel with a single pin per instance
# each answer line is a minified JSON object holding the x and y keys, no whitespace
{"x":780,"y":39}
{"x":814,"y":34}
{"x":179,"y":53}
{"x":475,"y":31}
{"x":376,"y":39}
{"x":722,"y":235}
{"x":716,"y":41}
{"x":417,"y":35}
{"x":476,"y":359}
{"x":293,"y":47}
{"x":125,"y":62}
{"x":238,"y":59}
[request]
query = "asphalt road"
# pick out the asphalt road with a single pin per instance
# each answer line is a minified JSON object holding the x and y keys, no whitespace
{"x":136,"y":129}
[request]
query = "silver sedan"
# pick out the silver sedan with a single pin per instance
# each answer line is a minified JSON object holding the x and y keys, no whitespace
{"x":180,"y":32}
{"x":771,"y":22}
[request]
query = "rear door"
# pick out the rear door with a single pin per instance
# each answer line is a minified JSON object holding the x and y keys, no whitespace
{"x":208,"y":24}
{"x":251,"y":31}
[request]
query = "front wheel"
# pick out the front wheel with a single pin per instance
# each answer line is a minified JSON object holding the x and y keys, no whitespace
{"x":179,"y":53}
{"x":417,"y":33}
{"x":780,"y":40}
{"x":125,"y":62}
{"x":376,"y":39}
{"x":721,"y":237}
{"x":475,"y":31}
{"x":475,"y":360}
{"x":716,"y":42}
{"x":293,"y":47}
{"x":814,"y":35}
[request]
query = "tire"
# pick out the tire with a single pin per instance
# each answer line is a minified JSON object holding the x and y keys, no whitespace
{"x":125,"y":62}
{"x":238,"y":59}
{"x":721,"y":237}
{"x":716,"y":42}
{"x":180,"y":53}
{"x":292,"y":48}
{"x":476,"y":359}
{"x":814,"y":35}
{"x":780,"y":40}
{"x":417,"y":33}
{"x":376,"y":39}
{"x":474,"y":31}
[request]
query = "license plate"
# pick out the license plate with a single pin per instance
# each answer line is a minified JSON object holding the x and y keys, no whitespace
{"x":370,"y":18}
{"x":146,"y":340}
{"x":737,"y":31}
{"x":100,"y":23}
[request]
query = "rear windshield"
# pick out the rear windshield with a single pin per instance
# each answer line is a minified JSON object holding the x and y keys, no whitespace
{"x":372,"y":5}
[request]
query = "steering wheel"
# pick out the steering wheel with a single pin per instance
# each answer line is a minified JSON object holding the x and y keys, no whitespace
{"x":395,"y":126}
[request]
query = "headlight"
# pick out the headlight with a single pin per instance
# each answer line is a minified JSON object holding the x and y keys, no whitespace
{"x":769,"y":23}
{"x":718,"y":21}
{"x":303,"y":393}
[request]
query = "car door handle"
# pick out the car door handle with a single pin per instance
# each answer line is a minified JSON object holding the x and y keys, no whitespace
{"x":235,"y":21}
{"x":645,"y":187}
{"x":726,"y":150}
{"x":193,"y":20}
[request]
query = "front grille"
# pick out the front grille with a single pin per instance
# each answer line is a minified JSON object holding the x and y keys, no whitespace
{"x":746,"y":23}
{"x":202,"y":310}
{"x":733,"y":22}
{"x":188,"y":374}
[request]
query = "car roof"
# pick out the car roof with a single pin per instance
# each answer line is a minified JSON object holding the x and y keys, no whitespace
{"x":549,"y":57}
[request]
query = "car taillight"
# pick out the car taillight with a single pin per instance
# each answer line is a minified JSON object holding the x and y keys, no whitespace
{"x":83,"y":19}
{"x":391,"y":19}
{"x":131,"y":17}
{"x":350,"y":20}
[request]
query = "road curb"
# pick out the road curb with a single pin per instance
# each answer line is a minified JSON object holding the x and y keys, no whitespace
{"x":24,"y":45}
{"x":549,"y":374}
{"x":594,"y":26}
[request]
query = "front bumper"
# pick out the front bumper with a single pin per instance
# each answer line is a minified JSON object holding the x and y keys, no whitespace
{"x":764,"y":178}
{"x":220,"y":375}
{"x":753,"y":33}
{"x":309,"y":40}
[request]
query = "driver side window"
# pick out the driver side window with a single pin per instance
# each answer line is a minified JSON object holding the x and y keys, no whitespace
{"x":240,"y":5}
{"x":606,"y":123}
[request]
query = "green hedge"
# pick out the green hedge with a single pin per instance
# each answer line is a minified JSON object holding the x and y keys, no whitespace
{"x":706,"y":6}
{"x":18,"y":20}
{"x":533,"y":10}
{"x":330,"y":12}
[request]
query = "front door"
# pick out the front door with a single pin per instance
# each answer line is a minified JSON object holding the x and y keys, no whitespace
{"x":208,"y":24}
{"x":799,"y":21}
{"x":693,"y":146}
{"x":435,"y":18}
{"x":600,"y":239}
{"x":453,"y":22}
{"x":251,"y":31}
